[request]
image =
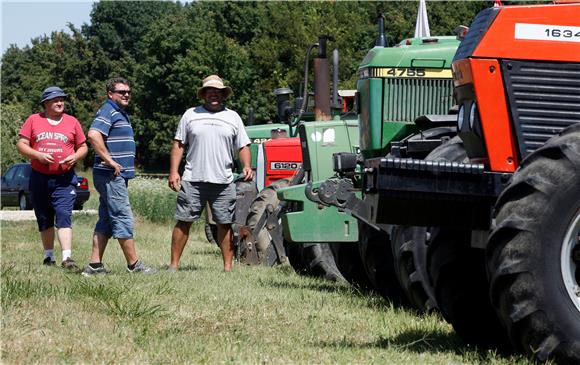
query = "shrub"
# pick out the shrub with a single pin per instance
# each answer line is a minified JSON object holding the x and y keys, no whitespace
{"x":152,"y":199}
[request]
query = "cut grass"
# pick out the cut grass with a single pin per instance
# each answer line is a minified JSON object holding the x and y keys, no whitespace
{"x":200,"y":314}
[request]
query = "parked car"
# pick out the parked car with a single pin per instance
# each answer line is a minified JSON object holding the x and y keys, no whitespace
{"x":15,"y":192}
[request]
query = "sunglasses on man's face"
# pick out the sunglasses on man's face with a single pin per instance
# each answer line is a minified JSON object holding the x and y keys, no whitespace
{"x":122,"y":92}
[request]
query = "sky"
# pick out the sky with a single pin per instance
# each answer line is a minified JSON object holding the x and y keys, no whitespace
{"x":23,"y":20}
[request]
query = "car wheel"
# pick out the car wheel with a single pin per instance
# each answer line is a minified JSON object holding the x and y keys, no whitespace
{"x":23,"y":203}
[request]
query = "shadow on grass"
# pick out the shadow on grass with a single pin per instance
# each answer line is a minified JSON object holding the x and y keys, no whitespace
{"x":372,"y":298}
{"x":421,"y":341}
{"x":188,"y":267}
{"x":325,"y":286}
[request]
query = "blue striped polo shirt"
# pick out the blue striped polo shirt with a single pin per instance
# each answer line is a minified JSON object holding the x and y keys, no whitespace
{"x":114,"y":124}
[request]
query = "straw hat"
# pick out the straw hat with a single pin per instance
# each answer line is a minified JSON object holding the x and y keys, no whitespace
{"x":216,"y":82}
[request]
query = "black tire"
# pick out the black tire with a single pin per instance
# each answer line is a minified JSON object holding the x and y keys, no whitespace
{"x":377,"y":257}
{"x":350,"y":265}
{"x":530,"y":255}
{"x":23,"y":202}
{"x":316,"y":259}
{"x":210,"y":230}
{"x":409,"y":245}
{"x":313,"y":259}
{"x":458,"y":274}
{"x":266,"y":197}
{"x":460,"y":285}
{"x":78,"y":207}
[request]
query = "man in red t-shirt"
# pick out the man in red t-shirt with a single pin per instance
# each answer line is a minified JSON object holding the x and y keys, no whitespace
{"x":54,"y":142}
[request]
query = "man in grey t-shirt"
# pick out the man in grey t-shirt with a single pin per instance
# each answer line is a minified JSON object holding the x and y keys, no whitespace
{"x":213,"y":134}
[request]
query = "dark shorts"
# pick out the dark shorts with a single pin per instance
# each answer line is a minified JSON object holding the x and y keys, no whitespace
{"x":53,"y":196}
{"x":193,"y":197}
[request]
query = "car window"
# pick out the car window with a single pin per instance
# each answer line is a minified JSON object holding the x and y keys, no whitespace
{"x":20,"y":174}
{"x":10,"y":173}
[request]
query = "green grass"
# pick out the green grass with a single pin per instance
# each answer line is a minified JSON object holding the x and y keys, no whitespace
{"x":150,"y":198}
{"x":202,"y":315}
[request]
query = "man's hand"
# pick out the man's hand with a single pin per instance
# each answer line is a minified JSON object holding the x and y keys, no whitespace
{"x":45,"y":158}
{"x":69,"y":160}
{"x":248,"y":173}
{"x":174,"y":181}
{"x":116,"y":167}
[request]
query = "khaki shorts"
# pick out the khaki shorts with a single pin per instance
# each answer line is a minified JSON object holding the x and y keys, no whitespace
{"x":193,"y":197}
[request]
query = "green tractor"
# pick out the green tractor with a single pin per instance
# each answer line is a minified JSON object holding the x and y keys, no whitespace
{"x":396,"y":84}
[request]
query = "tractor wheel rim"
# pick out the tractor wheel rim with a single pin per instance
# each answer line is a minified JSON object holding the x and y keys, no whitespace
{"x":569,"y":266}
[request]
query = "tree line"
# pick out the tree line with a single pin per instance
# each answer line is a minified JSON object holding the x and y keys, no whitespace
{"x":165,"y":49}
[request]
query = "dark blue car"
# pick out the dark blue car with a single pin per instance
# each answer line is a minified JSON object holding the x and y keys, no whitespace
{"x":15,"y":191}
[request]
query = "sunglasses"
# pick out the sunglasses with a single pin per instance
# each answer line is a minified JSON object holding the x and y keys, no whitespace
{"x":122,"y":92}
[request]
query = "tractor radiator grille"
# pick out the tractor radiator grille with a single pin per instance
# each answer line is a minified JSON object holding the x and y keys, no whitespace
{"x":406,"y":99}
{"x":544,"y":98}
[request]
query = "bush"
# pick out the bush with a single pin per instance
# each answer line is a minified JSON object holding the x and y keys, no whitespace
{"x":13,"y":116}
{"x":152,"y":199}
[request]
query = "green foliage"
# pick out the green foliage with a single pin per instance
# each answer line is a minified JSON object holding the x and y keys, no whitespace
{"x":13,"y":116}
{"x":152,"y":199}
{"x":165,"y":49}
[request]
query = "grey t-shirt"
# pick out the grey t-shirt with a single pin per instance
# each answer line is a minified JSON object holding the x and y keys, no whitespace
{"x":213,"y":140}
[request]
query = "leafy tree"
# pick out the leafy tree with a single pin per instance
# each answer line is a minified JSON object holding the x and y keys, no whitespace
{"x":118,"y":26}
{"x":13,"y":117}
{"x":165,"y":49}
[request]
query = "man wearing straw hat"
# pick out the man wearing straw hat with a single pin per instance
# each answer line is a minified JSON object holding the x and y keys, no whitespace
{"x":214,"y":135}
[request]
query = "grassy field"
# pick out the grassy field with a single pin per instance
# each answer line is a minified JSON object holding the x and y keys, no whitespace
{"x":201,"y":315}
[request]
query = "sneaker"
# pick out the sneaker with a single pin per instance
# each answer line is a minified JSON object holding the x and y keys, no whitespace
{"x":142,"y":268}
{"x":48,"y":262}
{"x":89,"y":271}
{"x":69,"y":264}
{"x":171,"y":269}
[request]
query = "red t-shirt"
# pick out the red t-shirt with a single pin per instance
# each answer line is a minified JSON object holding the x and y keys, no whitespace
{"x":59,"y":140}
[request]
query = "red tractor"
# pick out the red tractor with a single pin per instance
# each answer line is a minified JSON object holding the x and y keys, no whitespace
{"x":502,"y":199}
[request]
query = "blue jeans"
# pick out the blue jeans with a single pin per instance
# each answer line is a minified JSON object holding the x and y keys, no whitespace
{"x":115,"y":215}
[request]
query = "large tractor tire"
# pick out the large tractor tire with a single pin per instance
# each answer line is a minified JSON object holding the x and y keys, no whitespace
{"x":533,"y":255}
{"x":210,"y":231}
{"x":314,"y":259}
{"x":263,"y":242}
{"x":375,"y":252}
{"x":409,"y":246}
{"x":458,"y":274}
{"x":461,"y":287}
{"x":350,"y":264}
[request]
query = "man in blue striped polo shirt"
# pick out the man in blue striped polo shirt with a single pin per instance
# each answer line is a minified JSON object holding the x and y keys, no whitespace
{"x":111,"y":135}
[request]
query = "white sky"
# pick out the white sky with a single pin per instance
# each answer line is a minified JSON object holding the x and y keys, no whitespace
{"x":23,"y":20}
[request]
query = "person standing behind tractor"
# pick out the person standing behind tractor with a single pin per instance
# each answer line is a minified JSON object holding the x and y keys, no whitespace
{"x":213,"y":134}
{"x":53,"y":141}
{"x":111,"y":135}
